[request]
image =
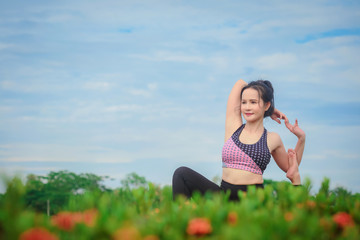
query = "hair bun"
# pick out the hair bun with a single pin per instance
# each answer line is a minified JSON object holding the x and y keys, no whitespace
{"x":269,"y":85}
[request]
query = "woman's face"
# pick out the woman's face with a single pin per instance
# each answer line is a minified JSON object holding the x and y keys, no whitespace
{"x":252,"y":106}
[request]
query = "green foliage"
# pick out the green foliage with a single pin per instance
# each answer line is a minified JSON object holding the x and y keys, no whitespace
{"x":57,"y":187}
{"x":133,"y":180}
{"x":279,"y":211}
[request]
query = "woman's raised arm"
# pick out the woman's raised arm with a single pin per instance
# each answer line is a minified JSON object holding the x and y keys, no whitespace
{"x":233,"y":109}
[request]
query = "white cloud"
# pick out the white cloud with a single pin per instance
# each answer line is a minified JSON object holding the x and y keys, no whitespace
{"x":152,"y":86}
{"x":125,"y":108}
{"x":276,"y":61}
{"x":101,"y":85}
{"x":18,"y":169}
{"x":140,"y":92}
{"x":5,"y":109}
{"x":144,"y":92}
{"x":164,"y":56}
{"x":5,"y":46}
{"x":62,"y":153}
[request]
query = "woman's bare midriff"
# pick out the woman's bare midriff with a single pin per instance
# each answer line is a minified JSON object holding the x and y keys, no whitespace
{"x":241,"y":177}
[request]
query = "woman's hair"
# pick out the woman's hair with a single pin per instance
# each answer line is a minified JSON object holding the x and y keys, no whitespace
{"x":266,"y":92}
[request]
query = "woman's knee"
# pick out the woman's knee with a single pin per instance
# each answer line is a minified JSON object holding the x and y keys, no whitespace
{"x":180,"y":172}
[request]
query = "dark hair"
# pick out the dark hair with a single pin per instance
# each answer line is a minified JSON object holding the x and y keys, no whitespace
{"x":266,"y":92}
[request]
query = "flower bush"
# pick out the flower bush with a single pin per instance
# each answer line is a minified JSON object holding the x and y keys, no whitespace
{"x":149,"y":213}
{"x":67,"y":220}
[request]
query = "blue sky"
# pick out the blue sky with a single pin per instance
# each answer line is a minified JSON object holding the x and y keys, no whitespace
{"x":113,"y":87}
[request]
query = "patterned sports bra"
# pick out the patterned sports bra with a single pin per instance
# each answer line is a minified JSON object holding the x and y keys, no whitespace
{"x":249,"y":157}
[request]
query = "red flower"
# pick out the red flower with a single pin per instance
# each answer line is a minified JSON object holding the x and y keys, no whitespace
{"x":343,"y":219}
{"x":67,"y":220}
{"x":232,"y":218}
{"x":89,"y":217}
{"x":38,"y":234}
{"x":64,"y":220}
{"x":199,"y":226}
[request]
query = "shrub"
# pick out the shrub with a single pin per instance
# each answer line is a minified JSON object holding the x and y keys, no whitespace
{"x":279,"y":212}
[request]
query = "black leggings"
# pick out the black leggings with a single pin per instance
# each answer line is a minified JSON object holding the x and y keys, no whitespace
{"x":186,"y":181}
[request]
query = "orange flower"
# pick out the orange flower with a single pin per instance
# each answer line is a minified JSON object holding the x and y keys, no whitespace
{"x":155,"y":211}
{"x":232,"y":218}
{"x":310,"y":204}
{"x":127,"y":233}
{"x":193,"y":205}
{"x":199,"y":226}
{"x":300,"y":205}
{"x":38,"y":234}
{"x":343,"y":219}
{"x":67,"y":220}
{"x":288,"y":216}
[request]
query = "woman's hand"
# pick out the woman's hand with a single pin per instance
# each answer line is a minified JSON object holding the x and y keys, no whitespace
{"x":277,"y":116}
{"x":295,"y":129}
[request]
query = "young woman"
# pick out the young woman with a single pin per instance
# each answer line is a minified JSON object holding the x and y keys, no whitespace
{"x":248,"y":147}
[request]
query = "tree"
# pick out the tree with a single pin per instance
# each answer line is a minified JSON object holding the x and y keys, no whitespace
{"x":133,"y":180}
{"x":341,"y":192}
{"x":57,"y":187}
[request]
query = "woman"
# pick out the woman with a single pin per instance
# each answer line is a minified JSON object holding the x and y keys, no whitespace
{"x":248,"y":147}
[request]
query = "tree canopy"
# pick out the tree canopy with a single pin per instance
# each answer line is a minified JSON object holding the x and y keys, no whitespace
{"x":133,"y":180}
{"x":57,"y":187}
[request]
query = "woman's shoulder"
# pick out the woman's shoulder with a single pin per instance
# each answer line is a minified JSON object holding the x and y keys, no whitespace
{"x":273,"y":136}
{"x":273,"y":140}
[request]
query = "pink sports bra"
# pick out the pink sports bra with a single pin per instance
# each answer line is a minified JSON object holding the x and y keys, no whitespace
{"x":249,"y":157}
